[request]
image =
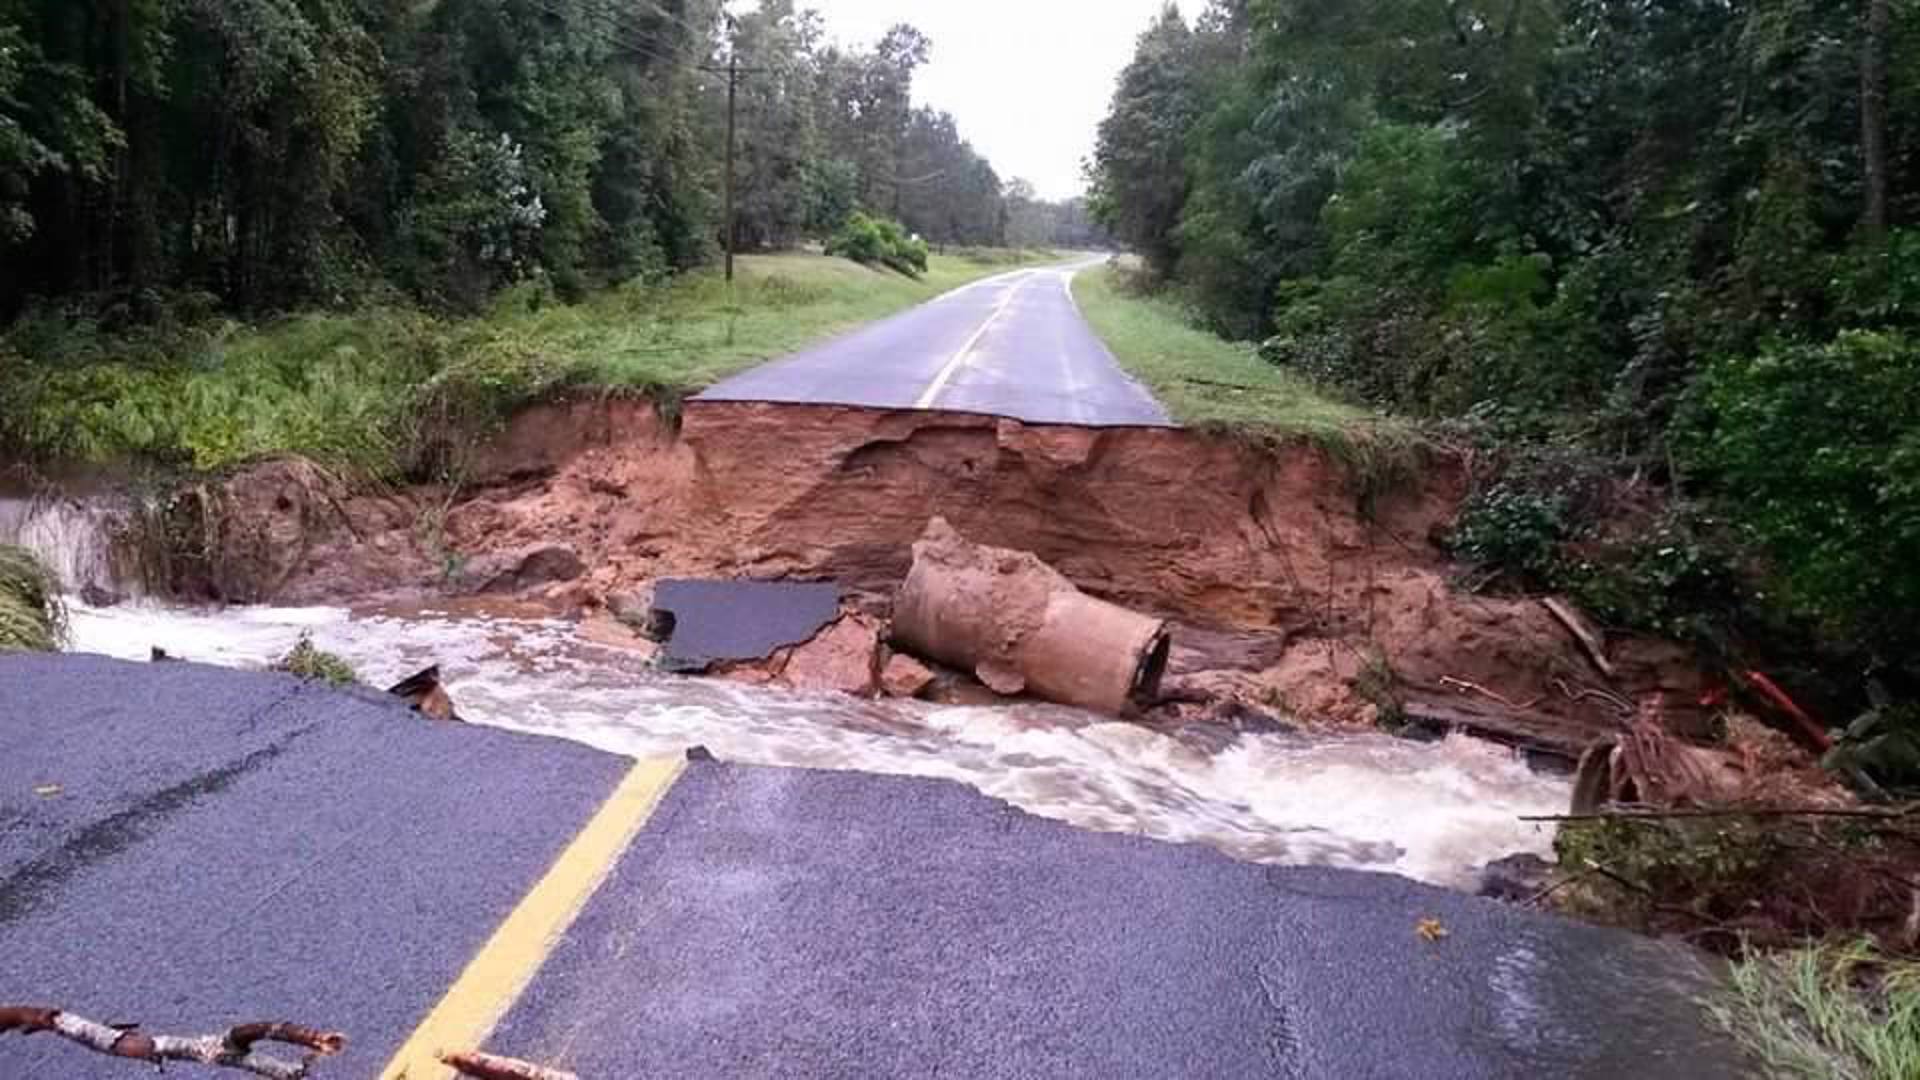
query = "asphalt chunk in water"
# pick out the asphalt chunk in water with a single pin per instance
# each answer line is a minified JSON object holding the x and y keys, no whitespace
{"x":714,"y":622}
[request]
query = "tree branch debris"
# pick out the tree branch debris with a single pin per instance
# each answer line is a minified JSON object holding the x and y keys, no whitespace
{"x":491,"y":1067}
{"x":233,"y":1049}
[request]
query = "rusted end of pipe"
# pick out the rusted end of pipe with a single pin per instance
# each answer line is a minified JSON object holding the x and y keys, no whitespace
{"x":1021,"y":627}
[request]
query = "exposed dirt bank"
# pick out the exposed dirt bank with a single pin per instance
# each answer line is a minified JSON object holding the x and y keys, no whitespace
{"x":1288,"y":597}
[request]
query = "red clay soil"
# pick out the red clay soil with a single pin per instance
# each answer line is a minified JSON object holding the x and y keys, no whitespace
{"x":1286,"y":596}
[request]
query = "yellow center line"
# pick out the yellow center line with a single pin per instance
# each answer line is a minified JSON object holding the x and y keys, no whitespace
{"x":500,"y":972}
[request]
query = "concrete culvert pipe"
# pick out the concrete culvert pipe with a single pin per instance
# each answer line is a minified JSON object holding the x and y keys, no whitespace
{"x":1023,"y":628}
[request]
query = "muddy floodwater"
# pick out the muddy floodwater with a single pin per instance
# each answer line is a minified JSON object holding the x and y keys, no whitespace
{"x":1435,"y":812}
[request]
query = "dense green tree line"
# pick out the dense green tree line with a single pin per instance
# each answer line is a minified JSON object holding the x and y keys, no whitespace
{"x":275,"y":153}
{"x":1680,"y":237}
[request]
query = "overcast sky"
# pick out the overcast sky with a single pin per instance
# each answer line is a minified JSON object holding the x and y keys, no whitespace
{"x":1027,"y":80}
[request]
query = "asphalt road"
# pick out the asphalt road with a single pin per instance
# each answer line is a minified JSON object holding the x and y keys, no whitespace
{"x":227,"y":847}
{"x":1014,"y":345}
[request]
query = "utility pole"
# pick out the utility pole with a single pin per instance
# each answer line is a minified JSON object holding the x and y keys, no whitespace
{"x":733,"y":89}
{"x":733,"y":72}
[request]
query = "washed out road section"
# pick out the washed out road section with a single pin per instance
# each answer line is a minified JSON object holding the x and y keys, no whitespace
{"x":192,"y":847}
{"x":1012,"y":345}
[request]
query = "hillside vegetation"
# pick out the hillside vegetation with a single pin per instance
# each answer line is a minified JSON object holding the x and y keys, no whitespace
{"x":384,"y":389}
{"x":1656,"y":264}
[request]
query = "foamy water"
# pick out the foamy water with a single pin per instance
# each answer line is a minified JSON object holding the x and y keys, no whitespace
{"x":68,"y":535}
{"x":1435,"y":812}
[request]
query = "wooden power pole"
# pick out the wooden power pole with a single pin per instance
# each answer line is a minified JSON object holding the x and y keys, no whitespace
{"x":733,"y":91}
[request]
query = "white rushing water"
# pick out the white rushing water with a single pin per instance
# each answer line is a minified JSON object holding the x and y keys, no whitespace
{"x":1435,"y":812}
{"x":69,"y":535}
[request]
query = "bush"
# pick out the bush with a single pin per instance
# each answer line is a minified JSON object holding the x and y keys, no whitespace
{"x":880,"y":242}
{"x":1815,"y":450}
{"x":307,"y":661}
{"x":32,"y":617}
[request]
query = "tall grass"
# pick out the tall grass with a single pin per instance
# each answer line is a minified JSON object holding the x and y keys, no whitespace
{"x":1826,"y":1012}
{"x":32,"y":617}
{"x":369,"y":388}
{"x":1210,"y":383}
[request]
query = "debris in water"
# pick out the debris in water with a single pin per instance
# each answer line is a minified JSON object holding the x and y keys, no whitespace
{"x":424,"y":692}
{"x":1021,"y":626}
{"x":1431,"y":929}
{"x":711,"y":622}
{"x":48,"y":791}
{"x":905,"y":677}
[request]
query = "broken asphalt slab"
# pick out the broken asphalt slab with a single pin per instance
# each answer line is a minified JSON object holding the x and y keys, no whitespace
{"x":716,"y":622}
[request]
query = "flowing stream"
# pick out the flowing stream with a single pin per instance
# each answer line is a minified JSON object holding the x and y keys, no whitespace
{"x":1436,"y":812}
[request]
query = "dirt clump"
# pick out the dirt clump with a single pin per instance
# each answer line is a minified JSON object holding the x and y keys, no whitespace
{"x":904,"y":677}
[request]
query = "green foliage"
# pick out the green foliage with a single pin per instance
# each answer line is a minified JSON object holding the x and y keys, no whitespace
{"x":394,"y":392}
{"x":1710,"y":868}
{"x":32,"y":616}
{"x":1825,"y":1012}
{"x":1513,"y":526}
{"x":1819,"y":447}
{"x":1638,"y":231}
{"x":1211,"y":383}
{"x":880,"y":242}
{"x":307,"y":661}
{"x":297,"y":153}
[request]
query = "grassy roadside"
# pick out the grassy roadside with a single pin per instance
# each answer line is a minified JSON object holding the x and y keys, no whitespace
{"x":1825,"y":1011}
{"x":371,"y":388}
{"x":1213,"y":384}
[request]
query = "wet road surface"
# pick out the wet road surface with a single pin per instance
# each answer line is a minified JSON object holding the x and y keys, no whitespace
{"x":227,"y":846}
{"x":1013,"y":345}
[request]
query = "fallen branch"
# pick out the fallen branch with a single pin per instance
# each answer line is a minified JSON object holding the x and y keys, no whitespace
{"x":1492,"y":695}
{"x":489,"y":1067}
{"x":232,"y":1050}
{"x":1569,"y":880}
{"x":1756,"y":812}
{"x":1571,"y":693}
{"x":1771,"y":692}
{"x":1589,"y":640}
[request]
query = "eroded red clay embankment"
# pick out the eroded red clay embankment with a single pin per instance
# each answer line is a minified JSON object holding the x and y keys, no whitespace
{"x":1282,"y":589}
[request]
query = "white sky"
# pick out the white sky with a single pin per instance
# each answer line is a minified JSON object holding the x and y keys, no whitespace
{"x":1028,"y":81}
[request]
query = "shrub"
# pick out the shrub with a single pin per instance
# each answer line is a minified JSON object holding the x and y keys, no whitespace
{"x":307,"y":661}
{"x":880,"y":242}
{"x":1815,"y":450}
{"x":32,"y":617}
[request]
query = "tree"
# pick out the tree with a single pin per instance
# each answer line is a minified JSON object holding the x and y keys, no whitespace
{"x":1139,"y":177}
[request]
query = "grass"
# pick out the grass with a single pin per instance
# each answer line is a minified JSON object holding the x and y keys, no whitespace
{"x":372,"y":388}
{"x":32,"y":618}
{"x":1213,"y":384}
{"x":1821,"y":1012}
{"x":307,"y":661}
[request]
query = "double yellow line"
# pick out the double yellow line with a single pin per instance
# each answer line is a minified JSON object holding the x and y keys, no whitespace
{"x":500,"y":972}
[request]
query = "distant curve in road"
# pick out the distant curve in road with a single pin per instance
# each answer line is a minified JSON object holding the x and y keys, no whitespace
{"x":1013,"y":345}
